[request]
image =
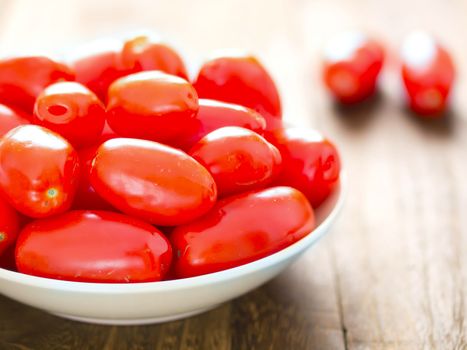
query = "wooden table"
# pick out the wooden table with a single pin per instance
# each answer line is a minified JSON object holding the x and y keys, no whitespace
{"x":393,"y":272}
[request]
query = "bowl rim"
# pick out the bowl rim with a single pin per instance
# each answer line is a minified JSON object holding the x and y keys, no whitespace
{"x":319,"y":231}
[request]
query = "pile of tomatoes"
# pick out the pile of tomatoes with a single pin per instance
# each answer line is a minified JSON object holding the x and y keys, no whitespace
{"x":116,"y":168}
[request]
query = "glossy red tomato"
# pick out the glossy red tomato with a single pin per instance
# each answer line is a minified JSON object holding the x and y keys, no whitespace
{"x":151,"y":105}
{"x":241,"y":229}
{"x":143,"y":53}
{"x":242,"y":80}
{"x":310,"y":163}
{"x":352,"y":64}
{"x":22,"y":79}
{"x":11,"y":118}
{"x":428,"y":74}
{"x":71,"y":110}
{"x":39,"y":171}
{"x":213,"y":115}
{"x":9,"y":225}
{"x":239,"y":159}
{"x":152,"y":181}
{"x":93,"y":246}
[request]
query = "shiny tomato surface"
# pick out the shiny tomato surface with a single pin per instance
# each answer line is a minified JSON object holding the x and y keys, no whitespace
{"x":71,"y":110}
{"x":154,"y":182}
{"x":9,"y":225}
{"x":310,"y":162}
{"x":428,"y":74}
{"x":11,"y":118}
{"x":39,"y":171}
{"x":241,"y":229}
{"x":243,"y":80}
{"x":352,"y":63}
{"x":22,"y":79}
{"x":151,"y":105}
{"x":213,"y":115}
{"x":93,"y":246}
{"x":239,"y":159}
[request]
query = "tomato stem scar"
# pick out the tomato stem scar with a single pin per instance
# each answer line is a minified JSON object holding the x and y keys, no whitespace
{"x":2,"y":236}
{"x":52,"y":192}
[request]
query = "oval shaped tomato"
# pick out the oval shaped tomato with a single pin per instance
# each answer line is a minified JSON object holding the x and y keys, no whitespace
{"x":93,"y":246}
{"x":352,"y":64}
{"x":428,"y":74}
{"x":9,"y":225}
{"x":310,"y":163}
{"x":151,"y":105}
{"x":238,"y":159}
{"x":152,"y":181}
{"x":243,"y":80}
{"x":213,"y":115}
{"x":22,"y":79}
{"x":39,"y":171}
{"x":241,"y":229}
{"x":71,"y":110}
{"x":11,"y":118}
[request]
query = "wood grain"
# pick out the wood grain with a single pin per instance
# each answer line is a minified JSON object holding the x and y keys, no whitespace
{"x":393,"y":272}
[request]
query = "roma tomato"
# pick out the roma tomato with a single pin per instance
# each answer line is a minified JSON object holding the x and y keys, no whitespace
{"x":71,"y":110}
{"x":93,"y":246}
{"x":239,"y":159}
{"x":143,"y":53}
{"x":151,"y":105}
{"x":352,"y":63}
{"x":22,"y":79}
{"x":241,"y":229}
{"x":39,"y":171}
{"x":11,"y":118}
{"x":242,"y":80}
{"x":213,"y":115}
{"x":152,"y":181}
{"x":310,"y":163}
{"x":9,"y":225}
{"x":428,"y":74}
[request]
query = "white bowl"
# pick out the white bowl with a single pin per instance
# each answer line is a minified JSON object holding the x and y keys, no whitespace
{"x":144,"y":303}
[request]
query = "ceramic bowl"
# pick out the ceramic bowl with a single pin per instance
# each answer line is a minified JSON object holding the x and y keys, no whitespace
{"x":145,"y":303}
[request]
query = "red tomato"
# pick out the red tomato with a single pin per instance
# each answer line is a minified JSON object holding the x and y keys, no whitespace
{"x":22,"y":79}
{"x":213,"y":115}
{"x":39,"y":171}
{"x":428,"y":74}
{"x":93,"y":246}
{"x":10,"y":119}
{"x":152,"y":181}
{"x":310,"y":163}
{"x":9,"y":225}
{"x":352,"y":64}
{"x":239,"y":159}
{"x":243,"y":80}
{"x":151,"y":105}
{"x":107,"y":134}
{"x":241,"y":229}
{"x":71,"y":110}
{"x":142,"y":53}
{"x":86,"y":196}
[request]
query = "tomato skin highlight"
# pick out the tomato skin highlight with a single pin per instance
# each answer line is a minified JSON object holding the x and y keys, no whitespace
{"x":93,"y":246}
{"x":71,"y":110}
{"x":428,"y":74}
{"x":213,"y":115}
{"x":151,"y":105}
{"x":310,"y":162}
{"x":243,"y":80}
{"x":238,"y":159}
{"x":38,"y":171}
{"x":241,"y":229}
{"x":352,"y":64}
{"x":11,"y":118}
{"x":154,"y":182}
{"x":22,"y":79}
{"x":9,"y":225}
